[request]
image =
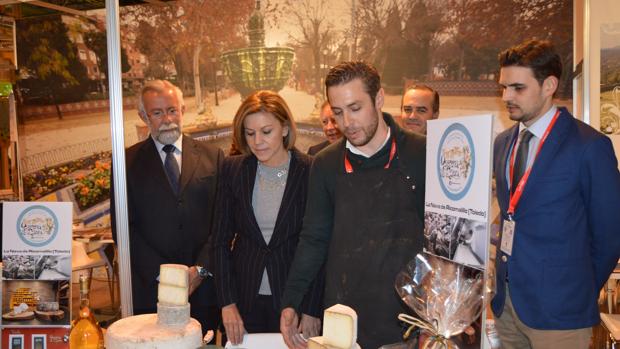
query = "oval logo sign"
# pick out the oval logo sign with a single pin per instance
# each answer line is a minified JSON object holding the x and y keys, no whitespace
{"x":37,"y":226}
{"x":455,"y":161}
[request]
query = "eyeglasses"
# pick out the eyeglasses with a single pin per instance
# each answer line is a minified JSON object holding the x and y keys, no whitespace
{"x":158,"y":114}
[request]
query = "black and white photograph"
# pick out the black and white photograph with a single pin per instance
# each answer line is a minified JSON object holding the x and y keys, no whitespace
{"x":31,"y":267}
{"x":458,"y":239}
{"x":19,"y":267}
{"x":53,"y":267}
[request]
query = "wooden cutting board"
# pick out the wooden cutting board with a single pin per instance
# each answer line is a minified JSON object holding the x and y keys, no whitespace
{"x":27,"y":315}
{"x":50,"y":315}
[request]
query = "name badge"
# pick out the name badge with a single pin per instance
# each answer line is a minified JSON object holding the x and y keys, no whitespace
{"x":508,"y":234}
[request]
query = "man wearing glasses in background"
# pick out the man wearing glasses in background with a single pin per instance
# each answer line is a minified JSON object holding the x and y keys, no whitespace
{"x":171,"y":183}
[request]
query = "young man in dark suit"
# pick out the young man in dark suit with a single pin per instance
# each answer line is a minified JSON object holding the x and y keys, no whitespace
{"x":558,"y":189}
{"x":171,"y":185}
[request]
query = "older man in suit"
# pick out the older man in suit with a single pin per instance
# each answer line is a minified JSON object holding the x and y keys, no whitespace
{"x":330,"y":128}
{"x":171,"y":185}
{"x":558,"y":189}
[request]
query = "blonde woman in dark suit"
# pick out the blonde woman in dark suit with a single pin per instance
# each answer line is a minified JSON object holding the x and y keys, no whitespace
{"x":260,"y":205}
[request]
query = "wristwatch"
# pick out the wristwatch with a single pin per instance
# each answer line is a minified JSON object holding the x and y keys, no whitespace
{"x":203,"y":272}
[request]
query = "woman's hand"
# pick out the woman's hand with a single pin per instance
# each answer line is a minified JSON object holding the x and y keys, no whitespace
{"x":309,"y":326}
{"x":233,"y":323}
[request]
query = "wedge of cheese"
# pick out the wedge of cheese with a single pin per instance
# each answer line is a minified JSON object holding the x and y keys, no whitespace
{"x":172,"y":295}
{"x":317,"y":343}
{"x":174,"y":275}
{"x":173,"y":284}
{"x":339,"y":327}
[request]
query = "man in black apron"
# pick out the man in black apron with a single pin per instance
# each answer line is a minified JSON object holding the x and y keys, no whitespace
{"x":364,"y":216}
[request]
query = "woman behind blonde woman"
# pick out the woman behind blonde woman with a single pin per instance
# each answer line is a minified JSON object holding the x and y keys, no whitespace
{"x":260,"y":205}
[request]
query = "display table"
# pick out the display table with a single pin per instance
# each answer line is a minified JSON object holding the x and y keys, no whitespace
{"x":260,"y":340}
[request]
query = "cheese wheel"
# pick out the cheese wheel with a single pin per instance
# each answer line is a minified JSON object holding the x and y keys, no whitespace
{"x":173,"y":315}
{"x":144,"y":332}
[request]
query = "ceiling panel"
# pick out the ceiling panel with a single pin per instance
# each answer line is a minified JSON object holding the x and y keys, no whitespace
{"x":31,"y":8}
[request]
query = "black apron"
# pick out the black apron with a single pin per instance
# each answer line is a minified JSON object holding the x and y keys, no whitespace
{"x":376,"y":232}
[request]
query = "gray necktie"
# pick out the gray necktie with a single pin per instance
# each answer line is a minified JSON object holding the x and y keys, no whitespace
{"x":521,"y":159}
{"x":172,"y":168}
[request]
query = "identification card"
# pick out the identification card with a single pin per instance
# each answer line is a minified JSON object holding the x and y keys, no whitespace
{"x":508,"y":234}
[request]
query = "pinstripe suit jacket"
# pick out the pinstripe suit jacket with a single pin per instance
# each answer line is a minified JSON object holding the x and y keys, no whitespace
{"x":238,"y":271}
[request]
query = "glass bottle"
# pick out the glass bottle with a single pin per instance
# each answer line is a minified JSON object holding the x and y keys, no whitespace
{"x":85,"y":331}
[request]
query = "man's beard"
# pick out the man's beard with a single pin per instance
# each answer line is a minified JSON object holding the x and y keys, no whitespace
{"x":168,"y":133}
{"x":368,"y":132}
{"x":524,"y":115}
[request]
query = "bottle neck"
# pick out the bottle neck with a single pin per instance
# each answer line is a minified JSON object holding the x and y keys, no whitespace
{"x":84,"y":301}
{"x":84,"y":312}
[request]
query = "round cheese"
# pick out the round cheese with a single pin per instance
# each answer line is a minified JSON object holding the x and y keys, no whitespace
{"x":143,"y":331}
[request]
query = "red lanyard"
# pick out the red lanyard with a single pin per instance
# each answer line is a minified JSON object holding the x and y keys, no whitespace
{"x":516,"y":196}
{"x":349,"y":169}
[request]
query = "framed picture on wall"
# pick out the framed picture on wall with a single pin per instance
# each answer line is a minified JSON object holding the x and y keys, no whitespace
{"x":610,"y":79}
{"x":601,"y":68}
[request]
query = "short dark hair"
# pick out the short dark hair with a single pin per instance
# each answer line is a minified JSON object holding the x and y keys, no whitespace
{"x":348,"y":71}
{"x":538,"y":55}
{"x":423,"y":88}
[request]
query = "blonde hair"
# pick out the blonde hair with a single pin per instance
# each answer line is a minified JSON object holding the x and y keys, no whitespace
{"x":268,"y":102}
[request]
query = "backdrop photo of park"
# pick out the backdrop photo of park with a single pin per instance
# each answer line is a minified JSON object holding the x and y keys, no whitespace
{"x":217,"y":53}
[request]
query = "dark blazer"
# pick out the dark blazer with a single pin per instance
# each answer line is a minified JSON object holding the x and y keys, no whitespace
{"x":313,"y":150}
{"x":567,"y":238}
{"x":238,"y":272}
{"x":164,"y":228}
